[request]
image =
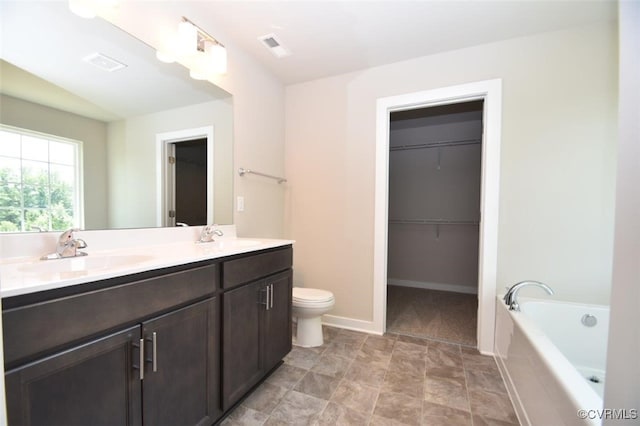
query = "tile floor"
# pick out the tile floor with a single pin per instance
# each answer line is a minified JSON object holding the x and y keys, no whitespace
{"x":440,"y":315}
{"x":361,"y":379}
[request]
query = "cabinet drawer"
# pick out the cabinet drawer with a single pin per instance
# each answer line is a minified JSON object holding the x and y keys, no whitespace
{"x":246,"y":269}
{"x":35,"y":329}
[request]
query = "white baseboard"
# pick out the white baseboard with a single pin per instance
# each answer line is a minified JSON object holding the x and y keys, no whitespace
{"x":433,"y":286}
{"x":350,"y":324}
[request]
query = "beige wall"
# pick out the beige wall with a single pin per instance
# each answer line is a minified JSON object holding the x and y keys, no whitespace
{"x":92,"y":133}
{"x":258,"y":132}
{"x":557,"y":166}
{"x":133,"y":164}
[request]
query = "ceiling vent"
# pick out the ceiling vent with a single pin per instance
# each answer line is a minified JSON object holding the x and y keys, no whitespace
{"x":104,"y":62}
{"x":272,"y":43}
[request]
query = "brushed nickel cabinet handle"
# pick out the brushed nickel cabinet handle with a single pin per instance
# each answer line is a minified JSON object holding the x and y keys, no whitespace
{"x":141,"y":359}
{"x":271,"y":300}
{"x":268,"y":296}
{"x":155,"y":352}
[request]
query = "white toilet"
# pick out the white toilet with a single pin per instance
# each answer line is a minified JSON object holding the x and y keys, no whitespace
{"x":309,"y":304}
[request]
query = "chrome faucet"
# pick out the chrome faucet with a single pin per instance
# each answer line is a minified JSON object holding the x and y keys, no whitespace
{"x":67,"y":246}
{"x":511,"y":298}
{"x":206,"y":236}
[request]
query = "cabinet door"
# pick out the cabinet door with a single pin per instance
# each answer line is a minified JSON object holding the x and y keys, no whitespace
{"x":241,"y":361}
{"x":277,"y":320}
{"x":96,"y":383}
{"x":181,"y":347}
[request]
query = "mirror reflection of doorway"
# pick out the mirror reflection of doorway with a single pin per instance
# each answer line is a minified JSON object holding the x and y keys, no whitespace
{"x":185,"y":177}
{"x":188,"y":164}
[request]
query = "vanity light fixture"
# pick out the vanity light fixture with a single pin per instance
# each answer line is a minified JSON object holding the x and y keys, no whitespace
{"x":203,"y":54}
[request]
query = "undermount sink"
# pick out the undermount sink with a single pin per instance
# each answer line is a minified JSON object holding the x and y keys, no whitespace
{"x":83,"y":263}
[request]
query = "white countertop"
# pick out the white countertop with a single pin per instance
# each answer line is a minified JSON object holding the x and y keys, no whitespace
{"x":26,"y":275}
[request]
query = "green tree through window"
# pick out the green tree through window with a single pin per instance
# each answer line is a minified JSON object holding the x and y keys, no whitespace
{"x":39,"y":182}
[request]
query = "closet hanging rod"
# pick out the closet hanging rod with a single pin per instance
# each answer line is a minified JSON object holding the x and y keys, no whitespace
{"x":437,"y":144}
{"x":242,"y":172}
{"x":432,"y":222}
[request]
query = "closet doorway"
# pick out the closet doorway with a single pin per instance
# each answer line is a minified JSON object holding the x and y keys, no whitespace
{"x":435,"y":167}
{"x":490,"y":92}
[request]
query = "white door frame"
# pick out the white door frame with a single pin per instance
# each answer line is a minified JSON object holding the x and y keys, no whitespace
{"x":163,"y":140}
{"x":491,"y":92}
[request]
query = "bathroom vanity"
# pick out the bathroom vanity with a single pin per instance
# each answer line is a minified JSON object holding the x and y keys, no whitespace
{"x":149,"y":343}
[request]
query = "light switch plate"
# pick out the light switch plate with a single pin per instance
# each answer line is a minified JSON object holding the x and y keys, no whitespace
{"x":240,"y":203}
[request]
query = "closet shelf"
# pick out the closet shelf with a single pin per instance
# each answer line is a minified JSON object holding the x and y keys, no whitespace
{"x":433,"y":222}
{"x":437,"y":144}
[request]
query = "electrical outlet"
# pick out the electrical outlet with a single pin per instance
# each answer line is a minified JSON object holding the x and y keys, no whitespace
{"x":240,"y":204}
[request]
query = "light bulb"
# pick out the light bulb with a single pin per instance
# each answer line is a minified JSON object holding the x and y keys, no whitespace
{"x":91,"y":8}
{"x":187,"y":38}
{"x":165,"y":56}
{"x":168,"y":50}
{"x":200,"y":67}
{"x":83,"y":8}
{"x":218,"y":57}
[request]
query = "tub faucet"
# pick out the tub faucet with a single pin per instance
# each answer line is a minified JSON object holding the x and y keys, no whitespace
{"x":511,"y":298}
{"x":208,"y":232}
{"x":67,"y":246}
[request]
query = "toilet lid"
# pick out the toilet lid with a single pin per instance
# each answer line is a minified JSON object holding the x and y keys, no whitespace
{"x":311,"y":294}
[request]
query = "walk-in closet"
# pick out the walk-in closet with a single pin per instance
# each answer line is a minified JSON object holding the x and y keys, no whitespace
{"x":435,"y":163}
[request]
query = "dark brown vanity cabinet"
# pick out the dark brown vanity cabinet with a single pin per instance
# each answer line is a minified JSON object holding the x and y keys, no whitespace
{"x":163,"y":370}
{"x":256,"y":324}
{"x":276,"y":335}
{"x":180,"y":385}
{"x":177,"y":346}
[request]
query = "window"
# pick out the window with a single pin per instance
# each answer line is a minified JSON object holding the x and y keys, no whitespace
{"x":40,"y":182}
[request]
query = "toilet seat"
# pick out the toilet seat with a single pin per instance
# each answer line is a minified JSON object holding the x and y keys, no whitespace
{"x":311,"y":296}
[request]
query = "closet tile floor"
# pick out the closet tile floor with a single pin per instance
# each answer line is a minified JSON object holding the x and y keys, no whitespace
{"x":361,"y":379}
{"x":440,"y":315}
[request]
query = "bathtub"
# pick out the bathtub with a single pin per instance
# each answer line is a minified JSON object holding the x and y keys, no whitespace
{"x":552,"y":363}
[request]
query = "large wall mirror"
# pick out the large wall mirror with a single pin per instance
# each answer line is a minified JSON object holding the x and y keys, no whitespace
{"x":60,"y":81}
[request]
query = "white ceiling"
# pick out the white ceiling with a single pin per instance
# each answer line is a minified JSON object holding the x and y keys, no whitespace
{"x":334,"y":37}
{"x":326,"y":38}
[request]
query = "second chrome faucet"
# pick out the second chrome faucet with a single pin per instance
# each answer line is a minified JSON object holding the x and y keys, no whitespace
{"x":208,"y":232}
{"x":67,"y":246}
{"x":511,"y":298}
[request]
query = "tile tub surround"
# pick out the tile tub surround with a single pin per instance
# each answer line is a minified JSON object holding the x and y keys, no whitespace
{"x":361,"y":379}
